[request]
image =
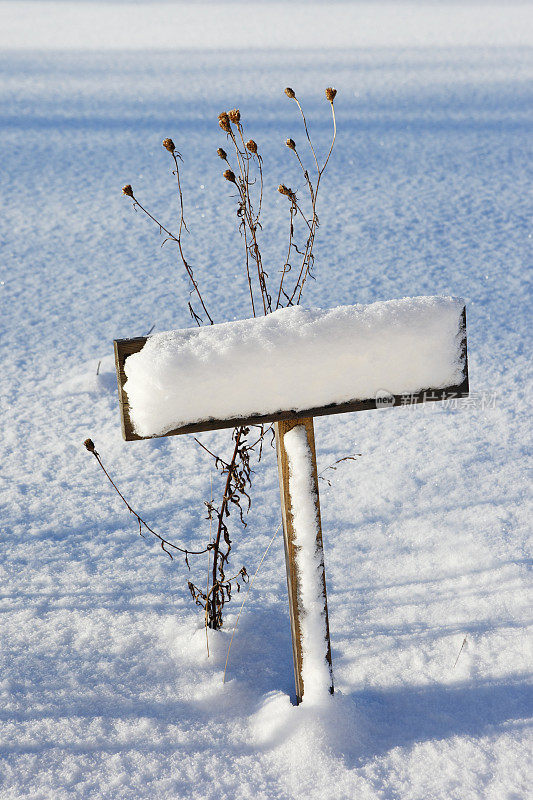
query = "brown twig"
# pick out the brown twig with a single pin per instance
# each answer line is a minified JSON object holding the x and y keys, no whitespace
{"x":89,"y":444}
{"x":287,"y":265}
{"x":459,"y":653}
{"x":334,"y":466}
{"x":249,"y":219}
{"x":308,"y":257}
{"x":174,"y":238}
{"x":208,"y":566}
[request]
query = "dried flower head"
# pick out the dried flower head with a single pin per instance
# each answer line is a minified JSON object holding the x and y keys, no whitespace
{"x":89,"y":444}
{"x":251,"y":146}
{"x":290,"y":93}
{"x":330,"y":94}
{"x":229,"y":176}
{"x":282,"y":189}
{"x":223,"y":121}
{"x":291,"y":144}
{"x":169,"y":144}
{"x":127,"y":190}
{"x":235,"y":115}
{"x":222,"y":154}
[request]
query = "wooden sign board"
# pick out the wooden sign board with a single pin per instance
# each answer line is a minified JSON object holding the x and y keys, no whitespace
{"x":126,"y":347}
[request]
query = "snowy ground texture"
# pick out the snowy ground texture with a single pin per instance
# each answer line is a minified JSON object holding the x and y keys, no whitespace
{"x":106,"y":689}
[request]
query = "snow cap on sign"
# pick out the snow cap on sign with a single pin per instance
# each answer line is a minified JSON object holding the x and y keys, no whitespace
{"x":294,"y":359}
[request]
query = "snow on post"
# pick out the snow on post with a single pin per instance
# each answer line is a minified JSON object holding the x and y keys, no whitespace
{"x":295,"y":359}
{"x":316,"y":673}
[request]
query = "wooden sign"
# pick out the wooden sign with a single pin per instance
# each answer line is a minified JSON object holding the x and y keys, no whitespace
{"x":301,"y":511}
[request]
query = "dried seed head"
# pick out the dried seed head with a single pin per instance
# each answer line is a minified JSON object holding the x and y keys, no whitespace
{"x":222,"y":154}
{"x":282,"y":189}
{"x":223,"y":121}
{"x":89,"y":444}
{"x":169,"y":144}
{"x":251,"y":146}
{"x":330,"y":94}
{"x":290,"y":93}
{"x":291,"y":144}
{"x":235,"y":115}
{"x":127,"y":190}
{"x":229,"y":176}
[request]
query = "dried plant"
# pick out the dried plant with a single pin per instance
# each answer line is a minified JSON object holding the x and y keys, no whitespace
{"x":166,"y":545}
{"x":237,"y":487}
{"x":334,"y":467}
{"x":244,"y":171}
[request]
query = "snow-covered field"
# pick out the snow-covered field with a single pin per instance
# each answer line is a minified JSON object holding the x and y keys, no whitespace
{"x":106,"y":688}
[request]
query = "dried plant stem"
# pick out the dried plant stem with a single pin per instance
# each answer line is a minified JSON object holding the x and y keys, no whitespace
{"x":248,"y":269}
{"x":208,"y":562}
{"x":142,"y":524}
{"x":287,"y":266}
{"x":306,"y":176}
{"x":250,"y":220}
{"x":254,"y":247}
{"x":334,"y":466}
{"x":314,"y":224}
{"x":215,"y":607}
{"x":177,"y":239}
{"x":180,"y":194}
{"x":307,"y":134}
{"x":219,"y":584}
{"x":260,"y":187}
{"x":302,"y":213}
{"x":246,"y":155}
{"x":243,"y":210}
{"x":308,"y":257}
{"x":240,"y":155}
{"x":459,"y":653}
{"x":244,"y":601}
{"x":332,"y":141}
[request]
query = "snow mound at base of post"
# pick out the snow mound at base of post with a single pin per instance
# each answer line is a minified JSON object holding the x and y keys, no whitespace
{"x":315,"y":668}
{"x":294,"y":359}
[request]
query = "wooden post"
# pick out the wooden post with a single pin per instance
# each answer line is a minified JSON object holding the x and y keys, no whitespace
{"x":293,"y":583}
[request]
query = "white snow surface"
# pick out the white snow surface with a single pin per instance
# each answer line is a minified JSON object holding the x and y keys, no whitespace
{"x":309,"y":563}
{"x":194,"y":24}
{"x":106,"y":690}
{"x":294,"y":359}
